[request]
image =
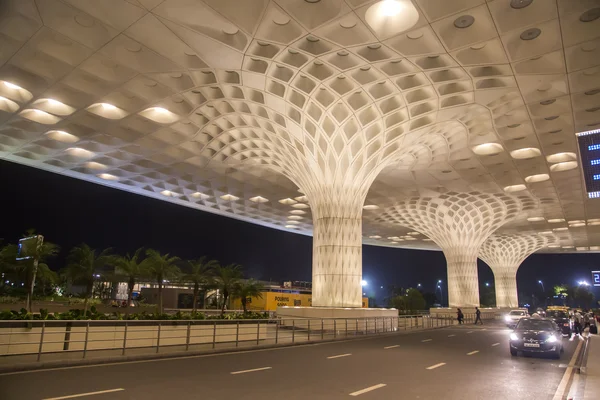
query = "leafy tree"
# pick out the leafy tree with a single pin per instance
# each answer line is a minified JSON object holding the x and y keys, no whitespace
{"x":487,"y":296}
{"x":583,"y":297}
{"x":248,"y":289}
{"x":82,"y":265}
{"x":130,"y":268}
{"x":227,"y":279}
{"x":46,"y":277}
{"x":200,"y":273}
{"x":414,"y":300}
{"x":161,"y":267}
{"x":27,"y":269}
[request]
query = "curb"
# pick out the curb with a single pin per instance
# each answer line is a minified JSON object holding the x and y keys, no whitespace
{"x":38,"y":366}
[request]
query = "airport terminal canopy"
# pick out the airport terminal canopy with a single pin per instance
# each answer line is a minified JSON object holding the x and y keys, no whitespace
{"x":468,"y":116}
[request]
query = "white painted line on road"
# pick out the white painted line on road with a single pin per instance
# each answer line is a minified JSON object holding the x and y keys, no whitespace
{"x":473,"y":352}
{"x":470,"y":332}
{"x":392,"y":347}
{"x":562,"y":386}
{"x":495,"y":344}
{"x":436,"y":366}
{"x":374,"y":387}
{"x":73,"y":396}
{"x":338,"y":356}
{"x":250,"y":370}
{"x":451,"y":335}
{"x":426,"y":340}
{"x":484,"y":329}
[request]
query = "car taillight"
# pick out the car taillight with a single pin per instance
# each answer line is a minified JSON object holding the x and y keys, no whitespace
{"x":566,"y":324}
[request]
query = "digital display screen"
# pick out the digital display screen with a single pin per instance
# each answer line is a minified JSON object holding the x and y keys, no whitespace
{"x":27,"y":247}
{"x":596,"y":278}
{"x":589,"y":147}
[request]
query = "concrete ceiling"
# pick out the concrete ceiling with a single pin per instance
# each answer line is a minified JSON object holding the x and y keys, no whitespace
{"x":203,"y":102}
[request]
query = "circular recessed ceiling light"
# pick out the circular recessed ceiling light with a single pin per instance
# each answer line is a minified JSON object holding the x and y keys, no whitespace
{"x":84,"y":20}
{"x":535,"y":219}
{"x":415,"y":35}
{"x":563,"y":166}
{"x":561,"y":157}
{"x":537,"y":178}
{"x":281,"y":19}
{"x":478,"y":46}
{"x":312,"y":1}
{"x":464,"y":21}
{"x":588,"y":47}
{"x":592,"y":92}
{"x":530,"y":34}
{"x":518,"y":4}
{"x":525,"y":153}
{"x":348,"y":24}
{"x":487,"y":149}
{"x":590,"y":15}
{"x":515,"y":188}
{"x":230,"y":30}
{"x":547,"y":102}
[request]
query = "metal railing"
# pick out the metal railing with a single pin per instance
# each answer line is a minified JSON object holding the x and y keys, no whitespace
{"x":60,"y":340}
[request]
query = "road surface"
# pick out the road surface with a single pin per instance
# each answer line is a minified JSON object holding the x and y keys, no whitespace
{"x":453,"y":363}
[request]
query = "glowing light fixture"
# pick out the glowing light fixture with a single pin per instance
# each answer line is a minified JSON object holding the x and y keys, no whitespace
{"x":390,"y":8}
{"x":161,"y":110}
{"x":107,"y":106}
{"x":108,"y":177}
{"x":62,"y":136}
{"x":363,"y":283}
{"x":12,"y":86}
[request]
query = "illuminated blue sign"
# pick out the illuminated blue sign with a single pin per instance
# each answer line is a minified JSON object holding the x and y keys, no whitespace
{"x":596,"y":278}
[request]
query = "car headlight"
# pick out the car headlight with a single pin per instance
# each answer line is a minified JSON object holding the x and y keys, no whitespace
{"x":507,"y":319}
{"x":551,"y":339}
{"x":513,"y":336}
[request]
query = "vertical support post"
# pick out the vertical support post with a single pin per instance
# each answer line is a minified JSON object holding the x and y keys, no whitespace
{"x":276,"y":331}
{"x":335,"y":328}
{"x":124,"y":338}
{"x":309,"y":329}
{"x":41,"y":340}
{"x":346,"y":327}
{"x":85,"y":342}
{"x":322,"y":328}
{"x":214,"y":334}
{"x":158,"y":338}
{"x":237,"y":334}
{"x":258,"y":333}
{"x":366,"y":326}
{"x":293,"y":331}
{"x":187,"y":335}
{"x":356,"y":330}
{"x":376,"y":320}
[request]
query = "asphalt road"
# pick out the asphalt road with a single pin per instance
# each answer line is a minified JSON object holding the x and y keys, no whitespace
{"x":453,"y":363}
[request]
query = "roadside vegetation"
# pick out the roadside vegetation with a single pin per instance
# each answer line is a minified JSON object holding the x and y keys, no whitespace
{"x":90,"y":276}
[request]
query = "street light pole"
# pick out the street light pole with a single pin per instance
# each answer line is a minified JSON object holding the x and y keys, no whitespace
{"x":439,"y":285}
{"x":543,"y":293}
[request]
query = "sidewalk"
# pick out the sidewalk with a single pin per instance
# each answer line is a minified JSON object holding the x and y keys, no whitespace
{"x":592,"y":378}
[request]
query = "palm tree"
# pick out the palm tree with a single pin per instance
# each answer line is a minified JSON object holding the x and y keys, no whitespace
{"x":82,"y":264}
{"x":130,"y":268}
{"x":27,"y":268}
{"x":46,"y":277}
{"x":250,"y":288}
{"x":227,"y":279}
{"x":200,"y":273}
{"x":160,"y":267}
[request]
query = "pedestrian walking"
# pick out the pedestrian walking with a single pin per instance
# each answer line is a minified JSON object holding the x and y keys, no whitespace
{"x":478,"y":316}
{"x":577,"y":322}
{"x":460,"y":316}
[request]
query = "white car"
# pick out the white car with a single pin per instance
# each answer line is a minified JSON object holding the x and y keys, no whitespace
{"x":514,"y":316}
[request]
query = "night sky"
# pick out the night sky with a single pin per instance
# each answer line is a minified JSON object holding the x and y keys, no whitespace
{"x":69,"y":211}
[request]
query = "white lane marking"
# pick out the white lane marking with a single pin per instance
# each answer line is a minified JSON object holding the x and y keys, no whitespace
{"x":436,"y":366}
{"x":250,"y":370}
{"x":451,"y":335}
{"x":495,"y":344}
{"x":392,"y":347}
{"x":562,"y":386}
{"x":85,"y":394}
{"x":470,"y":332}
{"x":473,"y":352}
{"x":374,"y":387}
{"x":339,"y":355}
{"x":426,"y":340}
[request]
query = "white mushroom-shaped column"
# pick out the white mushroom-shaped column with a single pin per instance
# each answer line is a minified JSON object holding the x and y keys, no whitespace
{"x":504,"y":254}
{"x":459,"y":223}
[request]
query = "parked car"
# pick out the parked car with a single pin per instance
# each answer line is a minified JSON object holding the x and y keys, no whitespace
{"x":561,"y":319}
{"x":514,"y":316}
{"x":536,"y":335}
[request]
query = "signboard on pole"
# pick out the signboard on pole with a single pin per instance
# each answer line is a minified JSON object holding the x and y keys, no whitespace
{"x":596,"y":278}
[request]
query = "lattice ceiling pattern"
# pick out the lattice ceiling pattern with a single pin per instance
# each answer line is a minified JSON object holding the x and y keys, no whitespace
{"x":248,"y":108}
